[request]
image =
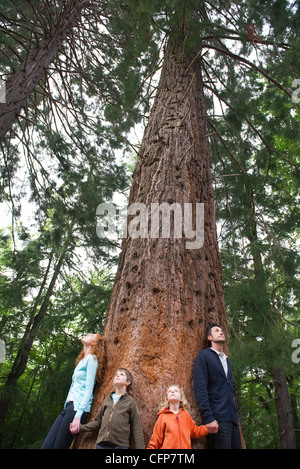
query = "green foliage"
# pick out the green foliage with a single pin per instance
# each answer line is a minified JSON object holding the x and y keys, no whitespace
{"x":256,"y":164}
{"x":77,"y":307}
{"x":63,"y":152}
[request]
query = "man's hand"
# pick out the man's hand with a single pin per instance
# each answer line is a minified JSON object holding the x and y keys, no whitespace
{"x":212,"y":427}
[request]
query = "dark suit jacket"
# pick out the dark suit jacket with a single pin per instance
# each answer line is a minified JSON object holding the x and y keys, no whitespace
{"x":213,"y":389}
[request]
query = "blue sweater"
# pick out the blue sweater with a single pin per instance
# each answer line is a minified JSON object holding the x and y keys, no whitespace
{"x":83,"y":381}
{"x":213,"y":389}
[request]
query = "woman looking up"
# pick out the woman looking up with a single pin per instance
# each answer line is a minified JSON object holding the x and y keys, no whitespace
{"x":89,"y":367}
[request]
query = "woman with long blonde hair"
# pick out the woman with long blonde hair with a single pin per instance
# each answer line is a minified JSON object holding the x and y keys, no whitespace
{"x":89,"y":368}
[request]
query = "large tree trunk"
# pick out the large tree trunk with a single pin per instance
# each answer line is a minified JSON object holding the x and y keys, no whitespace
{"x":165,"y":293}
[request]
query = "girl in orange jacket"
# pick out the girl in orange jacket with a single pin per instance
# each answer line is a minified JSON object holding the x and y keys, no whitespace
{"x":175,"y":427}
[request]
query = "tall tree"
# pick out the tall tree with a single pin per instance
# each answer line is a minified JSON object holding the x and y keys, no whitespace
{"x":258,"y":238}
{"x":204,"y":39}
{"x":43,"y":41}
{"x":165,"y":294}
{"x":67,"y":105}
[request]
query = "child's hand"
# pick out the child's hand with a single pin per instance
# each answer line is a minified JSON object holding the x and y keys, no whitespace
{"x":212,"y":427}
{"x":74,"y":426}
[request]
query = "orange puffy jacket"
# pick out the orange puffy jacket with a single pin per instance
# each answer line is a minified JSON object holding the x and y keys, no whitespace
{"x":174,"y":431}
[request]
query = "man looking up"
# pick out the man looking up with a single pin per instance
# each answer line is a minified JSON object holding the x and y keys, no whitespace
{"x":213,"y":389}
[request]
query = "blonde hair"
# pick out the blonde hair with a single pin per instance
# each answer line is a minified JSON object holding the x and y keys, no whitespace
{"x":98,"y":350}
{"x":183,"y":404}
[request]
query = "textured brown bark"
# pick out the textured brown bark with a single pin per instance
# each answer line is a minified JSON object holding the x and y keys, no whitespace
{"x":284,"y":410}
{"x":164,"y":294}
{"x":24,"y":80}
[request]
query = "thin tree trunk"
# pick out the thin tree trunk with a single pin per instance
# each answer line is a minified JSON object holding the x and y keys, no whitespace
{"x":164,"y":293}
{"x":23,"y":82}
{"x":21,"y":359}
{"x":284,"y":410}
{"x":283,"y":404}
{"x":295,"y":413}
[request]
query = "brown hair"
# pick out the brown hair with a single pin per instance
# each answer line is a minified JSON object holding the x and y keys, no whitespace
{"x":129,"y":377}
{"x":98,"y":350}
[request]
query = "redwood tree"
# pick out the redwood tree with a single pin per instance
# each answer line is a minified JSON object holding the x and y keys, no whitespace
{"x":165,"y":294}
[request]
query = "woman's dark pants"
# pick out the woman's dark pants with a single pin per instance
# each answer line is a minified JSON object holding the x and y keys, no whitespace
{"x":59,"y":436}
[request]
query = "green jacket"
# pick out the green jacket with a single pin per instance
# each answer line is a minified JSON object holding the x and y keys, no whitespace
{"x":119,"y":424}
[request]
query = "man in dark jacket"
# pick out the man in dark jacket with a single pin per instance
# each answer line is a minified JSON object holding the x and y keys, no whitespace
{"x":213,"y":389}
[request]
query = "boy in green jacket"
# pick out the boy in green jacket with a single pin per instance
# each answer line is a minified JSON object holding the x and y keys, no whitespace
{"x":118,"y":419}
